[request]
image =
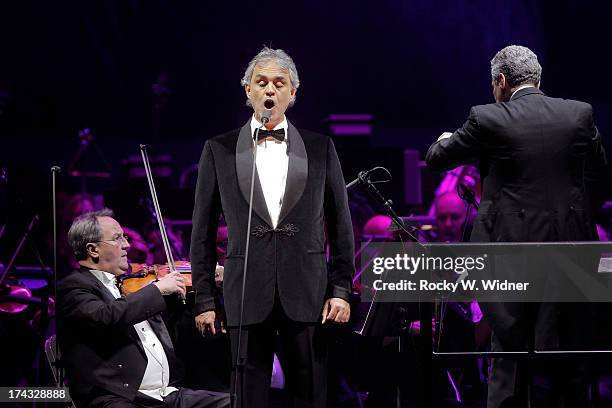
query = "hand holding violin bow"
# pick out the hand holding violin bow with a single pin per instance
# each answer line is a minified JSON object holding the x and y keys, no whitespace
{"x":173,"y":282}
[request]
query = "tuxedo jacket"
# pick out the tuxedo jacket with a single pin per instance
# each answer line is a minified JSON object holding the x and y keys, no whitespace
{"x":287,"y":262}
{"x":538,"y":157}
{"x":100,"y":349}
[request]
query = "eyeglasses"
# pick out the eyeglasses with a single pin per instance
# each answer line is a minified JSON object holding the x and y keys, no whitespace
{"x":117,"y":239}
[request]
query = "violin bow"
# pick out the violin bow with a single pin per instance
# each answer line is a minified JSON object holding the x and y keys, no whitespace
{"x":160,"y":218}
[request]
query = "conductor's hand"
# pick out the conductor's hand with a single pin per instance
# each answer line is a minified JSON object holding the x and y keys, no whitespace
{"x":205,"y":323}
{"x":171,"y":283}
{"x":336,"y":310}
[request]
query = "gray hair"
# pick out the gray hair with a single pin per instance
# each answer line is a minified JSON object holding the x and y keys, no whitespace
{"x":85,"y":229}
{"x":279,"y":57}
{"x":518,"y":64}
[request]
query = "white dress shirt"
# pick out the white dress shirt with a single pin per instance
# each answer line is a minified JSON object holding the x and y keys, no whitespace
{"x":157,"y":374}
{"x":272,"y":164}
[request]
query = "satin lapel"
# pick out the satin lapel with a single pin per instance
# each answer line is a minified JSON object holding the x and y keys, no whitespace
{"x":158,"y":326}
{"x":297,"y":173}
{"x":108,"y":297}
{"x":244,"y":165}
{"x":136,"y":339}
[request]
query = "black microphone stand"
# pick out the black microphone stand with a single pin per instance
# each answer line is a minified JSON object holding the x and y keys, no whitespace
{"x":467,"y":195}
{"x":239,"y":362}
{"x":424,"y":312}
{"x":54,"y":171}
{"x":364,"y":178}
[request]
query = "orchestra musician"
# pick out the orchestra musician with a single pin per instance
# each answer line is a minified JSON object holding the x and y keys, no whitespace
{"x":116,"y":350}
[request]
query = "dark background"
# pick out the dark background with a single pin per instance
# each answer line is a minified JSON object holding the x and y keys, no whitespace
{"x":416,"y":66}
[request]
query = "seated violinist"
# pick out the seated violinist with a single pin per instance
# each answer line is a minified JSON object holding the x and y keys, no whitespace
{"x":116,"y":350}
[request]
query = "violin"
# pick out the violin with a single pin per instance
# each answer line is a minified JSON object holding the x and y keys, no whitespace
{"x":141,"y":275}
{"x":14,"y":298}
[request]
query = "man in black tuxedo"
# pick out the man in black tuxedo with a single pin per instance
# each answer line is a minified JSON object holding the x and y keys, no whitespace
{"x":538,"y":156}
{"x":299,"y":199}
{"x":116,"y":350}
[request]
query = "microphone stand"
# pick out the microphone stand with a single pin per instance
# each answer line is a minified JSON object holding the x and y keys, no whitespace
{"x":44,"y":297}
{"x":54,"y":171}
{"x":467,"y":195}
{"x":364,"y":178}
{"x":425,"y":311}
{"x":239,"y":362}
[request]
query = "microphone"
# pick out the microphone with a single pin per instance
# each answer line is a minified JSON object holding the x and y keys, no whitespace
{"x":467,"y":194}
{"x":265,"y":116}
{"x":361,"y":178}
{"x":56,"y":169}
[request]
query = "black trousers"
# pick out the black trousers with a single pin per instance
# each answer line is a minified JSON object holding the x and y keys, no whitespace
{"x":183,"y":398}
{"x":304,"y":361}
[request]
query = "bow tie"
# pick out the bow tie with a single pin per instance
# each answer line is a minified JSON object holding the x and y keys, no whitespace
{"x":278,"y":134}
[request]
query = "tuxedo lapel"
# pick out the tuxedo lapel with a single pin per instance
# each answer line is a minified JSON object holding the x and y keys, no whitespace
{"x":108,"y":297}
{"x":244,"y":165}
{"x":297,"y":172}
{"x":158,"y":326}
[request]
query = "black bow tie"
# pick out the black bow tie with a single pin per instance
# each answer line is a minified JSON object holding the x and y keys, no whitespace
{"x":278,"y":134}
